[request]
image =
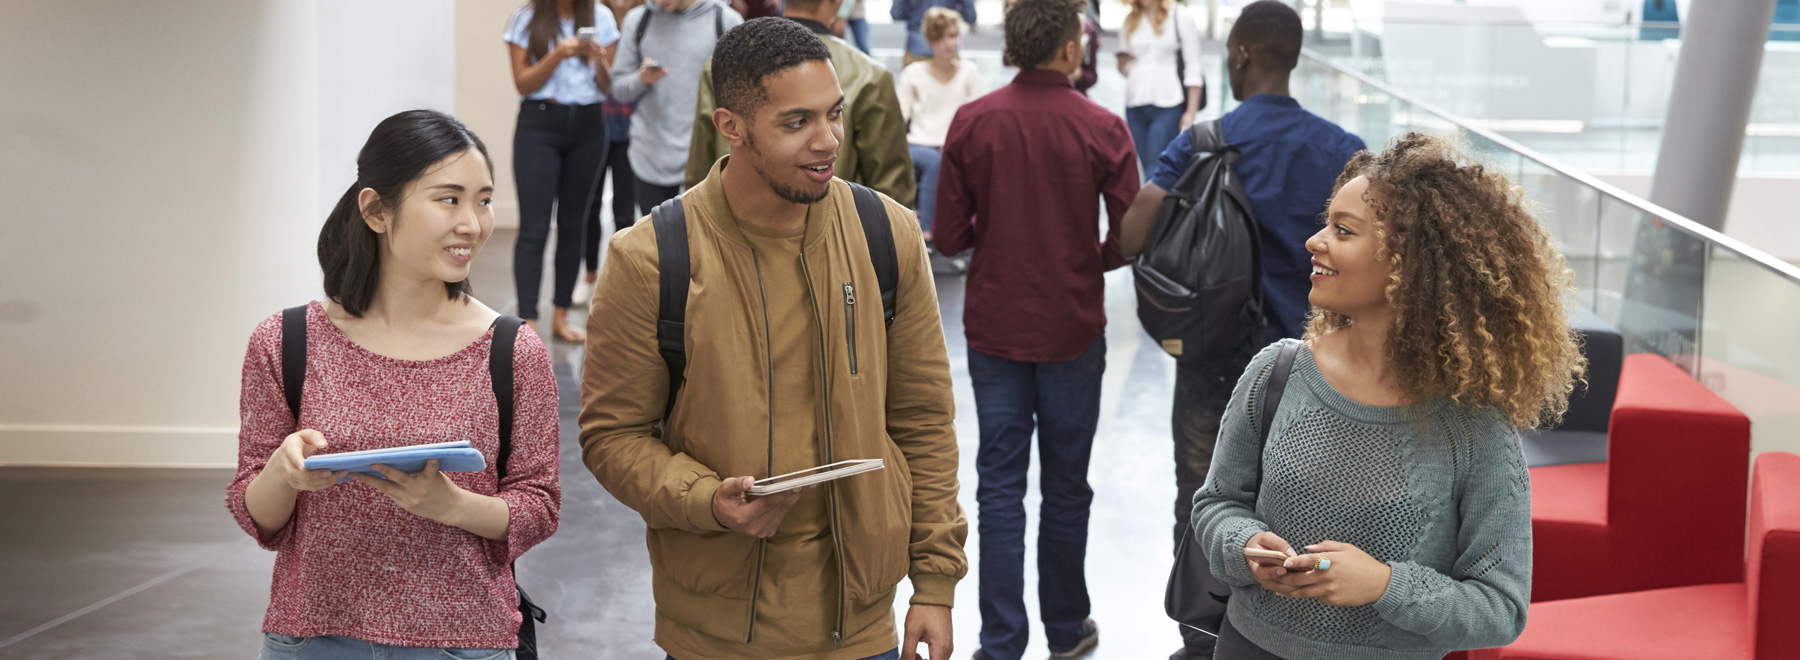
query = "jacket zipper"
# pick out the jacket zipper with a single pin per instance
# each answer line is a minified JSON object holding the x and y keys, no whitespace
{"x":762,"y":545}
{"x":837,"y":541}
{"x":850,"y":322}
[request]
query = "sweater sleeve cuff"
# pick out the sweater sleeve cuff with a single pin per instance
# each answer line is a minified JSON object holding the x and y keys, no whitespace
{"x":699,"y":505}
{"x":1397,"y":605}
{"x":933,"y":589}
{"x":1237,"y":570}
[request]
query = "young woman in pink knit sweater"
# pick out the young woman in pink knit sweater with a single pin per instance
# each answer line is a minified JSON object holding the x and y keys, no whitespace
{"x":413,"y":565}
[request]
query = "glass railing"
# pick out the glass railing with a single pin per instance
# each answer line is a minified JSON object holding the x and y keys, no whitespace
{"x":1720,"y":309}
{"x":1592,"y":95}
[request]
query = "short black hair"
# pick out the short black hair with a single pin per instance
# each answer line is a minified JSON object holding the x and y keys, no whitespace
{"x":1036,"y":28}
{"x":1272,"y":30}
{"x":401,"y":149}
{"x":755,"y":50}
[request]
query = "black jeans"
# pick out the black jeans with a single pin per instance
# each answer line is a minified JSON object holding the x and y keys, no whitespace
{"x":557,"y":154}
{"x":624,"y":205}
{"x":1202,"y":390}
{"x":649,"y":195}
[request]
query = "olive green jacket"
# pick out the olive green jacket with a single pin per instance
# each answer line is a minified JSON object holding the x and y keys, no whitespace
{"x":874,"y":153}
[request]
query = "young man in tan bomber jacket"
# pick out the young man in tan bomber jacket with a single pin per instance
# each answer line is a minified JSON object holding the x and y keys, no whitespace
{"x":789,"y":366}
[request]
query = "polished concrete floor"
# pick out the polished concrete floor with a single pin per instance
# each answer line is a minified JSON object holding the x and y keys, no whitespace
{"x":129,"y":563}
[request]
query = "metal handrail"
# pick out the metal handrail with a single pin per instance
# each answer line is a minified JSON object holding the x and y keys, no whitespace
{"x":1673,"y":219}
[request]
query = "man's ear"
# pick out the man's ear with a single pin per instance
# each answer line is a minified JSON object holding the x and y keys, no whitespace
{"x":731,"y":126}
{"x":374,"y":213}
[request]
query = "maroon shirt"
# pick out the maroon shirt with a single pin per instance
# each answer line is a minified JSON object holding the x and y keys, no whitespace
{"x":1023,"y":171}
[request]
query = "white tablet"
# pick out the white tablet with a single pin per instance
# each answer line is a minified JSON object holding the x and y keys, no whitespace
{"x":816,"y":475}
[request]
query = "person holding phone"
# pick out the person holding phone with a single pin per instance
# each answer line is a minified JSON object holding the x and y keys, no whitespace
{"x":1393,"y":519}
{"x":658,"y":69}
{"x":410,"y":566}
{"x":561,"y":53}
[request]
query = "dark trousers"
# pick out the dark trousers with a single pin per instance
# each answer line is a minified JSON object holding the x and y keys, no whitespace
{"x":1202,"y":390}
{"x":557,"y":154}
{"x":1061,"y":401}
{"x":649,"y":195}
{"x":1234,"y":646}
{"x":624,"y":196}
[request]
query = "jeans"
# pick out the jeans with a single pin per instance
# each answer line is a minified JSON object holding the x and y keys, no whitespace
{"x":890,"y":655}
{"x":650,"y":195}
{"x":859,"y":31}
{"x":925,"y":167}
{"x":332,"y":647}
{"x":557,"y":154}
{"x":624,"y":204}
{"x":1061,"y":400}
{"x":1152,"y":128}
{"x":1202,"y":390}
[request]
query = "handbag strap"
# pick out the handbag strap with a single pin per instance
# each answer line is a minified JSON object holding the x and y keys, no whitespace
{"x":1278,"y":378}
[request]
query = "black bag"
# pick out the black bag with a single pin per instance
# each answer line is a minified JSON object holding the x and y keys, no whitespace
{"x":1199,"y":278}
{"x":500,"y":371}
{"x":1195,"y":597}
{"x":673,"y":272}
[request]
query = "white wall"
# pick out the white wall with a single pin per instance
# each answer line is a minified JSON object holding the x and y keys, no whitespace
{"x":165,"y":168}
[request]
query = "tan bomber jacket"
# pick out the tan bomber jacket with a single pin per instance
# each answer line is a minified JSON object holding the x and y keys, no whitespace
{"x":895,"y":403}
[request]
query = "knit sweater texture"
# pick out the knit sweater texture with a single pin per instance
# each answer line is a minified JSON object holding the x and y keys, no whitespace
{"x":1441,"y":494}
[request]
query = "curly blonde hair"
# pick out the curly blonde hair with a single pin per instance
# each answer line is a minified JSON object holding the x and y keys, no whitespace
{"x":1477,"y":286}
{"x":938,"y":21}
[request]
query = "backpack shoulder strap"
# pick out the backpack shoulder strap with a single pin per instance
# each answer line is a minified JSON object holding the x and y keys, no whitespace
{"x":880,"y":234}
{"x":293,"y":357}
{"x":673,"y":271}
{"x":637,"y":37}
{"x":500,"y":371}
{"x":718,"y":22}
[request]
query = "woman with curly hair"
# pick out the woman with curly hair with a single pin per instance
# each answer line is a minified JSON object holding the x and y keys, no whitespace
{"x":1392,"y":459}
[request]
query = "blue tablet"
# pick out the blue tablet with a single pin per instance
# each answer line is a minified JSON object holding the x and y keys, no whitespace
{"x":452,"y":457}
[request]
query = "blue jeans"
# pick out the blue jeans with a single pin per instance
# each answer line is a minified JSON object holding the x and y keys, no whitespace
{"x":1062,"y":401}
{"x":859,"y":31}
{"x":1152,"y":128}
{"x":925,"y":166}
{"x":277,"y":646}
{"x":890,"y":655}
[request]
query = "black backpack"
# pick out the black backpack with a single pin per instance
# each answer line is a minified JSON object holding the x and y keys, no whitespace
{"x":500,"y":371}
{"x":1199,"y":278}
{"x":674,"y":273}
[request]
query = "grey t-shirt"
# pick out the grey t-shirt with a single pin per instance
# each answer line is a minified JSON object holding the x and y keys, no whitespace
{"x":1442,"y":497}
{"x":663,"y":124}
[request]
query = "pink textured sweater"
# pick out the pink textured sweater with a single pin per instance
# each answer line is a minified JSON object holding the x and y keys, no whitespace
{"x":351,"y":562}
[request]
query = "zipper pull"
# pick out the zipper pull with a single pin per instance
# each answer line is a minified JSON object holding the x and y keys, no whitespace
{"x":849,"y":294}
{"x":837,"y":639}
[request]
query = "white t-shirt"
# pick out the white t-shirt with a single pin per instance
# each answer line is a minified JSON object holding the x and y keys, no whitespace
{"x":1153,"y":80}
{"x":929,"y":104}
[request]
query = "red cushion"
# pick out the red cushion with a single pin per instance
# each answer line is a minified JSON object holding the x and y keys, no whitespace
{"x":1684,"y":623}
{"x":1676,"y":475}
{"x":1774,"y":570}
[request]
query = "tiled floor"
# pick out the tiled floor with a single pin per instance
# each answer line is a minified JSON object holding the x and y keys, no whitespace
{"x":172,"y":577}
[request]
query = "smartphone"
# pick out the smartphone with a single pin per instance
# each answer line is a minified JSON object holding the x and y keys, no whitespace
{"x":586,"y":33}
{"x":1265,"y":557}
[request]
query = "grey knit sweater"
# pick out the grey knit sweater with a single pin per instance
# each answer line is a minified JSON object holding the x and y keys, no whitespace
{"x":1443,"y":498}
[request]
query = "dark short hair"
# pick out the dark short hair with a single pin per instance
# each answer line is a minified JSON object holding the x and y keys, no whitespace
{"x":1272,"y":30}
{"x":755,"y":50}
{"x":399,"y":151}
{"x":1036,"y":28}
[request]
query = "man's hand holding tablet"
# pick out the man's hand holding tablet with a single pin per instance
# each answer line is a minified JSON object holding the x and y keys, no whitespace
{"x":756,"y":508}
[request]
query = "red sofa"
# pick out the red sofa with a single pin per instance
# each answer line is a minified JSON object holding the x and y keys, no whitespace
{"x":1743,"y":620}
{"x":1672,"y":487}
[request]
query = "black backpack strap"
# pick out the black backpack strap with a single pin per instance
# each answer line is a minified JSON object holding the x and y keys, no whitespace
{"x":873,"y":214}
{"x":718,"y":22}
{"x":500,"y":371}
{"x":637,"y":38}
{"x":673,"y":271}
{"x":293,"y":358}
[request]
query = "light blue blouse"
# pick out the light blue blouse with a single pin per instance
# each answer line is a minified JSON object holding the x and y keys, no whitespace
{"x":572,"y":83}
